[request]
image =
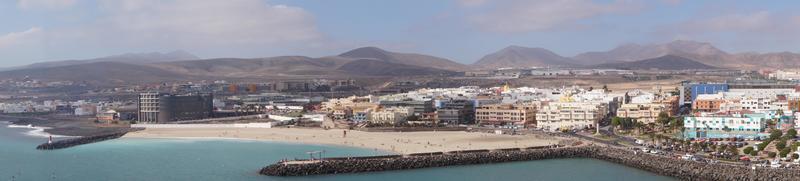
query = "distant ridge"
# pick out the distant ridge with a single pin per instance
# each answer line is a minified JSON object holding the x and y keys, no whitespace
{"x":373,"y":61}
{"x":404,"y":58}
{"x":666,"y":62}
{"x":98,"y":72}
{"x":131,"y":58}
{"x":518,"y":56}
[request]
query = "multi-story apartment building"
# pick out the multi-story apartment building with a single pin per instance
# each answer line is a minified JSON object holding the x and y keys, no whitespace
{"x":353,"y":107}
{"x":506,"y":114}
{"x":570,"y":115}
{"x":353,"y":102}
{"x":645,"y":113}
{"x":420,"y":106}
{"x":690,"y":91}
{"x":725,"y":125}
{"x":159,"y":107}
{"x":454,"y":112}
{"x":391,"y":115}
{"x":708,"y":103}
{"x":789,"y":74}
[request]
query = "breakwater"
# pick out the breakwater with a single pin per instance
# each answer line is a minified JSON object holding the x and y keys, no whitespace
{"x":682,"y":169}
{"x":66,"y":143}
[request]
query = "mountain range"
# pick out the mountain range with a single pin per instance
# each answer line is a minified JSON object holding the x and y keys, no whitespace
{"x":373,"y":61}
{"x":367,"y":61}
{"x":701,"y":52}
{"x":666,"y":62}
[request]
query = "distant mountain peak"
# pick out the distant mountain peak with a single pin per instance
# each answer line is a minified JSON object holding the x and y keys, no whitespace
{"x":519,"y":56}
{"x":666,"y":62}
{"x":420,"y":60}
{"x":367,"y":52}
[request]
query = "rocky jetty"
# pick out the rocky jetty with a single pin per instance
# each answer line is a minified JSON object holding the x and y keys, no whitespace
{"x":682,"y":169}
{"x":60,"y":144}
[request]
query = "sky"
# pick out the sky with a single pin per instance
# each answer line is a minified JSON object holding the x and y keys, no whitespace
{"x":461,"y":30}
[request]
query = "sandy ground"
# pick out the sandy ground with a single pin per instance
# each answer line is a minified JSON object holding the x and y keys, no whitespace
{"x":406,"y":142}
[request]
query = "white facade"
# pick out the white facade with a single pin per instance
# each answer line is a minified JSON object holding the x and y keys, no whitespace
{"x":392,"y":115}
{"x":793,"y":74}
{"x":748,"y":122}
{"x":570,"y":115}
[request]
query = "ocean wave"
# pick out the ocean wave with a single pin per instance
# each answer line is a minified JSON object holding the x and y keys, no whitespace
{"x":37,"y":131}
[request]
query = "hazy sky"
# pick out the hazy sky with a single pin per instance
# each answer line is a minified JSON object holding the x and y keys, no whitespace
{"x":461,"y":30}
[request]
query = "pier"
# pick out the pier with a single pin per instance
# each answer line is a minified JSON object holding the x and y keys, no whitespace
{"x":61,"y":144}
{"x":668,"y":166}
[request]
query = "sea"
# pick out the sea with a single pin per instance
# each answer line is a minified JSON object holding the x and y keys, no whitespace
{"x":218,"y":159}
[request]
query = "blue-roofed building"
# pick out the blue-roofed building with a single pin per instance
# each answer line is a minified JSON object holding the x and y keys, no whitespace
{"x":691,"y":90}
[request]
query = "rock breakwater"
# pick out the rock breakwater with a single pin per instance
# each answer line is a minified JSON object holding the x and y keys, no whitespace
{"x":682,"y":169}
{"x":66,"y":143}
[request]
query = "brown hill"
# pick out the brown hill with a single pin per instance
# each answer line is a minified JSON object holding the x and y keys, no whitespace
{"x":666,"y":62}
{"x":699,"y":51}
{"x":297,"y":65}
{"x":404,"y":58}
{"x":99,"y":72}
{"x":517,"y":56}
{"x":131,"y":58}
{"x":380,"y":68}
{"x":704,"y":52}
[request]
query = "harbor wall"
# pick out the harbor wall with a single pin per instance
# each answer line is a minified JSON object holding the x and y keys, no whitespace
{"x":66,"y":143}
{"x":674,"y":167}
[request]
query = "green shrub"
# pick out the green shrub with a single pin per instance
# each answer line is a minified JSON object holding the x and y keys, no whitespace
{"x":781,"y":144}
{"x":748,"y":150}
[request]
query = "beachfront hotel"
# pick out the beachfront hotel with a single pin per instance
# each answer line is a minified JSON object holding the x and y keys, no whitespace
{"x":391,"y":115}
{"x":506,"y":114}
{"x":570,"y":115}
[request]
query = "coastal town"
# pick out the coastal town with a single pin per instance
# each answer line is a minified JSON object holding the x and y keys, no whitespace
{"x":746,"y":120}
{"x":352,"y":90}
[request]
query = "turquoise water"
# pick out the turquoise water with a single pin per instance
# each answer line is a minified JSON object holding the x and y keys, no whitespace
{"x":176,"y":159}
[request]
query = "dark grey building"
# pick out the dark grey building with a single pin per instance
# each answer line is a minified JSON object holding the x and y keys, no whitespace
{"x":163,"y":108}
{"x":454,"y":112}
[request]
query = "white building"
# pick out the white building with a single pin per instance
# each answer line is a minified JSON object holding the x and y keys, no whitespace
{"x":570,"y":115}
{"x":725,"y":126}
{"x":391,"y":115}
{"x":791,"y":74}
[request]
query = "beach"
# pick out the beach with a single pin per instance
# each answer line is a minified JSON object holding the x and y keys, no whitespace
{"x":397,"y":142}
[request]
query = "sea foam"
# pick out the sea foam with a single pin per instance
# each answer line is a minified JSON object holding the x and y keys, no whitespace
{"x":36,"y":131}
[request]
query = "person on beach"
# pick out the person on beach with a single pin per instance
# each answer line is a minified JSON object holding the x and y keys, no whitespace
{"x":344,"y":133}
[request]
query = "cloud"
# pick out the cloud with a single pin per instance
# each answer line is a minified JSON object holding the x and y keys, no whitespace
{"x":209,"y":28}
{"x":758,"y":30}
{"x":45,"y":4}
{"x":516,"y":16}
{"x":18,"y":38}
{"x":208,"y":22}
{"x":754,"y":24}
{"x":471,"y":3}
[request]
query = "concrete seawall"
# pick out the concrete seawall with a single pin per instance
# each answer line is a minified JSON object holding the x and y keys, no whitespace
{"x":682,"y":169}
{"x":61,"y":144}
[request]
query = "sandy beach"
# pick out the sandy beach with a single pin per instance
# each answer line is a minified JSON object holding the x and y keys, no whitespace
{"x":398,"y":142}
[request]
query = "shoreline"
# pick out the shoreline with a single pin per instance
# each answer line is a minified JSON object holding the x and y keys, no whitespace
{"x":254,"y":140}
{"x":390,"y":142}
